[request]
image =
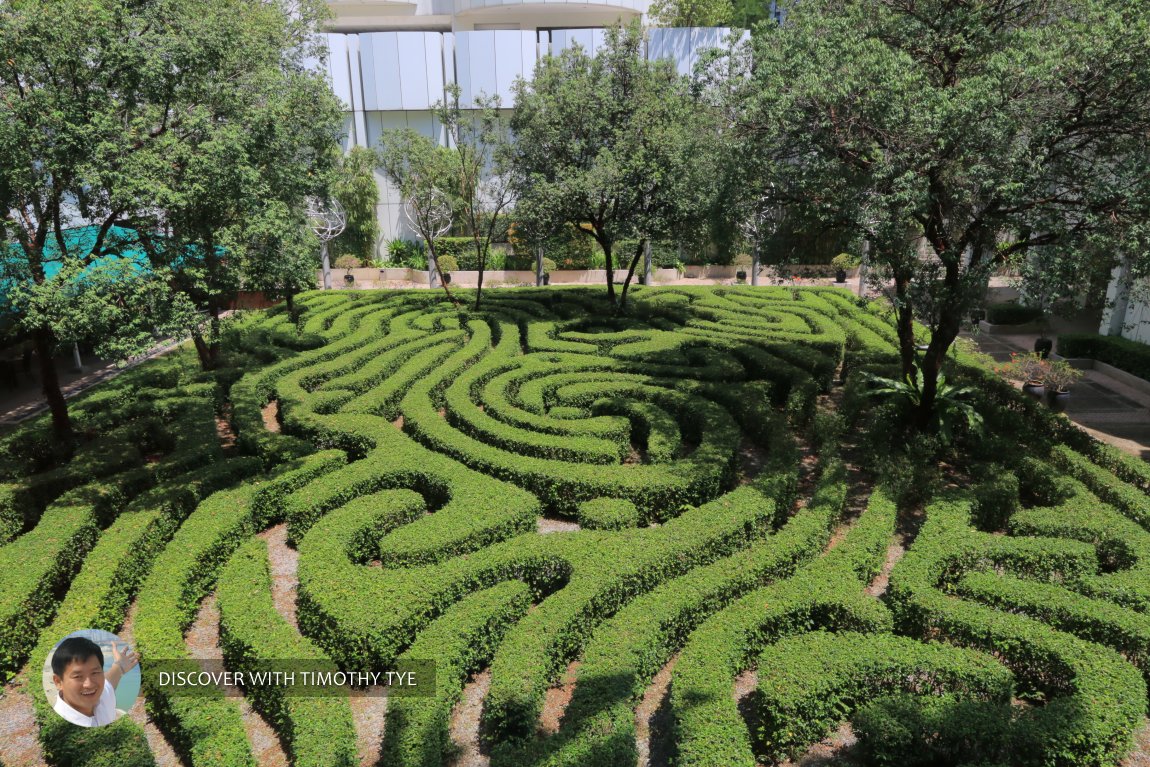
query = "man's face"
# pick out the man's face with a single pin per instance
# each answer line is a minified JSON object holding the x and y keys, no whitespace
{"x":81,"y":684}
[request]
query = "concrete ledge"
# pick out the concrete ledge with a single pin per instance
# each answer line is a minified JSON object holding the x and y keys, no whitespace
{"x":1140,"y":385}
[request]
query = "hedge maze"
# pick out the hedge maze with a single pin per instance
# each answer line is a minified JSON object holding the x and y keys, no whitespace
{"x":668,"y":506}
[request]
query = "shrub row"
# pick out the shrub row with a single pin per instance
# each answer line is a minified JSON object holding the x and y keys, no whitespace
{"x":316,"y":731}
{"x":630,"y":647}
{"x":205,"y":731}
{"x":1122,"y":353}
{"x":460,"y":642}
{"x":709,"y":730}
{"x":810,"y":683}
{"x":1095,"y":699}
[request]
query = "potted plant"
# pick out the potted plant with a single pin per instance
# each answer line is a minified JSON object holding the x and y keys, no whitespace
{"x":842,"y":262}
{"x":347,"y":263}
{"x":1060,"y":376}
{"x":742,"y":263}
{"x":1028,"y":369}
{"x":548,"y":267}
{"x":447,"y":265}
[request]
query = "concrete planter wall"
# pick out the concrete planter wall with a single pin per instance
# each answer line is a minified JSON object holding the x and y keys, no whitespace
{"x":366,"y":279}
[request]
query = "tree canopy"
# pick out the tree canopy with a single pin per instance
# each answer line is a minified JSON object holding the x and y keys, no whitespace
{"x":953,"y":135}
{"x":179,"y":120}
{"x":610,"y":144}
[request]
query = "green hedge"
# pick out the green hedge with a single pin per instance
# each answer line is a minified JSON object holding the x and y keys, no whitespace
{"x":1122,"y":353}
{"x":316,"y":731}
{"x":1012,"y":313}
{"x":809,"y":683}
{"x":709,"y":729}
{"x":1094,"y":699}
{"x":459,"y":643}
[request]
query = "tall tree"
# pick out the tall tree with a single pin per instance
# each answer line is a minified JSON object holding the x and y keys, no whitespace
{"x":426,"y":176}
{"x":478,"y":140}
{"x":954,"y":135}
{"x":691,"y":13}
{"x":607,"y":144}
{"x":357,"y":192}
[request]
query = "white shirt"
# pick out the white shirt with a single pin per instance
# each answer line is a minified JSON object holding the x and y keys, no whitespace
{"x":105,"y":712}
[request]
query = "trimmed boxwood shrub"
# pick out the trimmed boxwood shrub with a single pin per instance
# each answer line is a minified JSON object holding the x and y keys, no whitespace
{"x":608,"y":514}
{"x":316,"y":730}
{"x":1012,"y":313}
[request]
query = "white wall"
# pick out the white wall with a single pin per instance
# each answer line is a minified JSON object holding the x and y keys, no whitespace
{"x":1133,"y":310}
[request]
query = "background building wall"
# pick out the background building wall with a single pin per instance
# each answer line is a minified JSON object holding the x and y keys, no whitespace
{"x":393,"y":78}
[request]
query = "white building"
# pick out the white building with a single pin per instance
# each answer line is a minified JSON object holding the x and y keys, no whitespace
{"x":390,"y":60}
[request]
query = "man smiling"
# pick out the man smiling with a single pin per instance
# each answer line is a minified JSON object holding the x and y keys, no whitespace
{"x":87,"y":694}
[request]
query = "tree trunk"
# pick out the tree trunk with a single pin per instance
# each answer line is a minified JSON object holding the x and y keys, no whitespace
{"x":482,"y":261}
{"x":214,"y":345}
{"x":43,"y":340}
{"x":904,"y":324}
{"x":202,"y":351}
{"x":631,"y":272}
{"x":610,"y":264}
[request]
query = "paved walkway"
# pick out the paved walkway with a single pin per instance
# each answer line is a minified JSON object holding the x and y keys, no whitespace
{"x":27,"y":400}
{"x":1108,"y":409}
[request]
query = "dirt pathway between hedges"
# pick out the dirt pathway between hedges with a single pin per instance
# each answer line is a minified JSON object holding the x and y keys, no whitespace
{"x":654,"y":737}
{"x":19,"y":734}
{"x":464,"y":728}
{"x":162,"y":750}
{"x":203,"y":642}
{"x":283,"y":561}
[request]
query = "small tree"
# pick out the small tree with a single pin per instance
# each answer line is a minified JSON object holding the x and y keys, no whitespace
{"x":609,"y":142}
{"x":422,"y":171}
{"x":355,"y":188}
{"x":479,"y":144}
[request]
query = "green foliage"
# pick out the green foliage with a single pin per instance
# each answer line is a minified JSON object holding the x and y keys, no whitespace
{"x":1122,"y":353}
{"x":858,"y":90}
{"x":624,"y":167}
{"x":952,"y":405}
{"x":357,"y":192}
{"x":1012,"y":314}
{"x":447,"y":264}
{"x":406,"y":253}
{"x":691,"y":13}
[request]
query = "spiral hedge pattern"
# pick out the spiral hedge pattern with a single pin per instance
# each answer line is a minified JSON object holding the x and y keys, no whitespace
{"x":422,"y":444}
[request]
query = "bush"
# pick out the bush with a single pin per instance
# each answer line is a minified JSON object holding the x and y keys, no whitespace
{"x":1122,"y":353}
{"x":1012,"y":313}
{"x":608,"y":514}
{"x":407,"y":253}
{"x":447,"y":264}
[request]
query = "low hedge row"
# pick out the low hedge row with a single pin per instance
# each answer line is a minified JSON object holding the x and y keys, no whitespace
{"x":1122,"y":353}
{"x":1012,"y":313}
{"x":36,"y":567}
{"x":609,"y":572}
{"x":205,"y":731}
{"x":655,"y":490}
{"x":607,"y":514}
{"x":1095,"y":699}
{"x":810,"y":683}
{"x":598,"y":726}
{"x":471,"y":509}
{"x":316,"y":731}
{"x":460,"y":642}
{"x":709,"y":729}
